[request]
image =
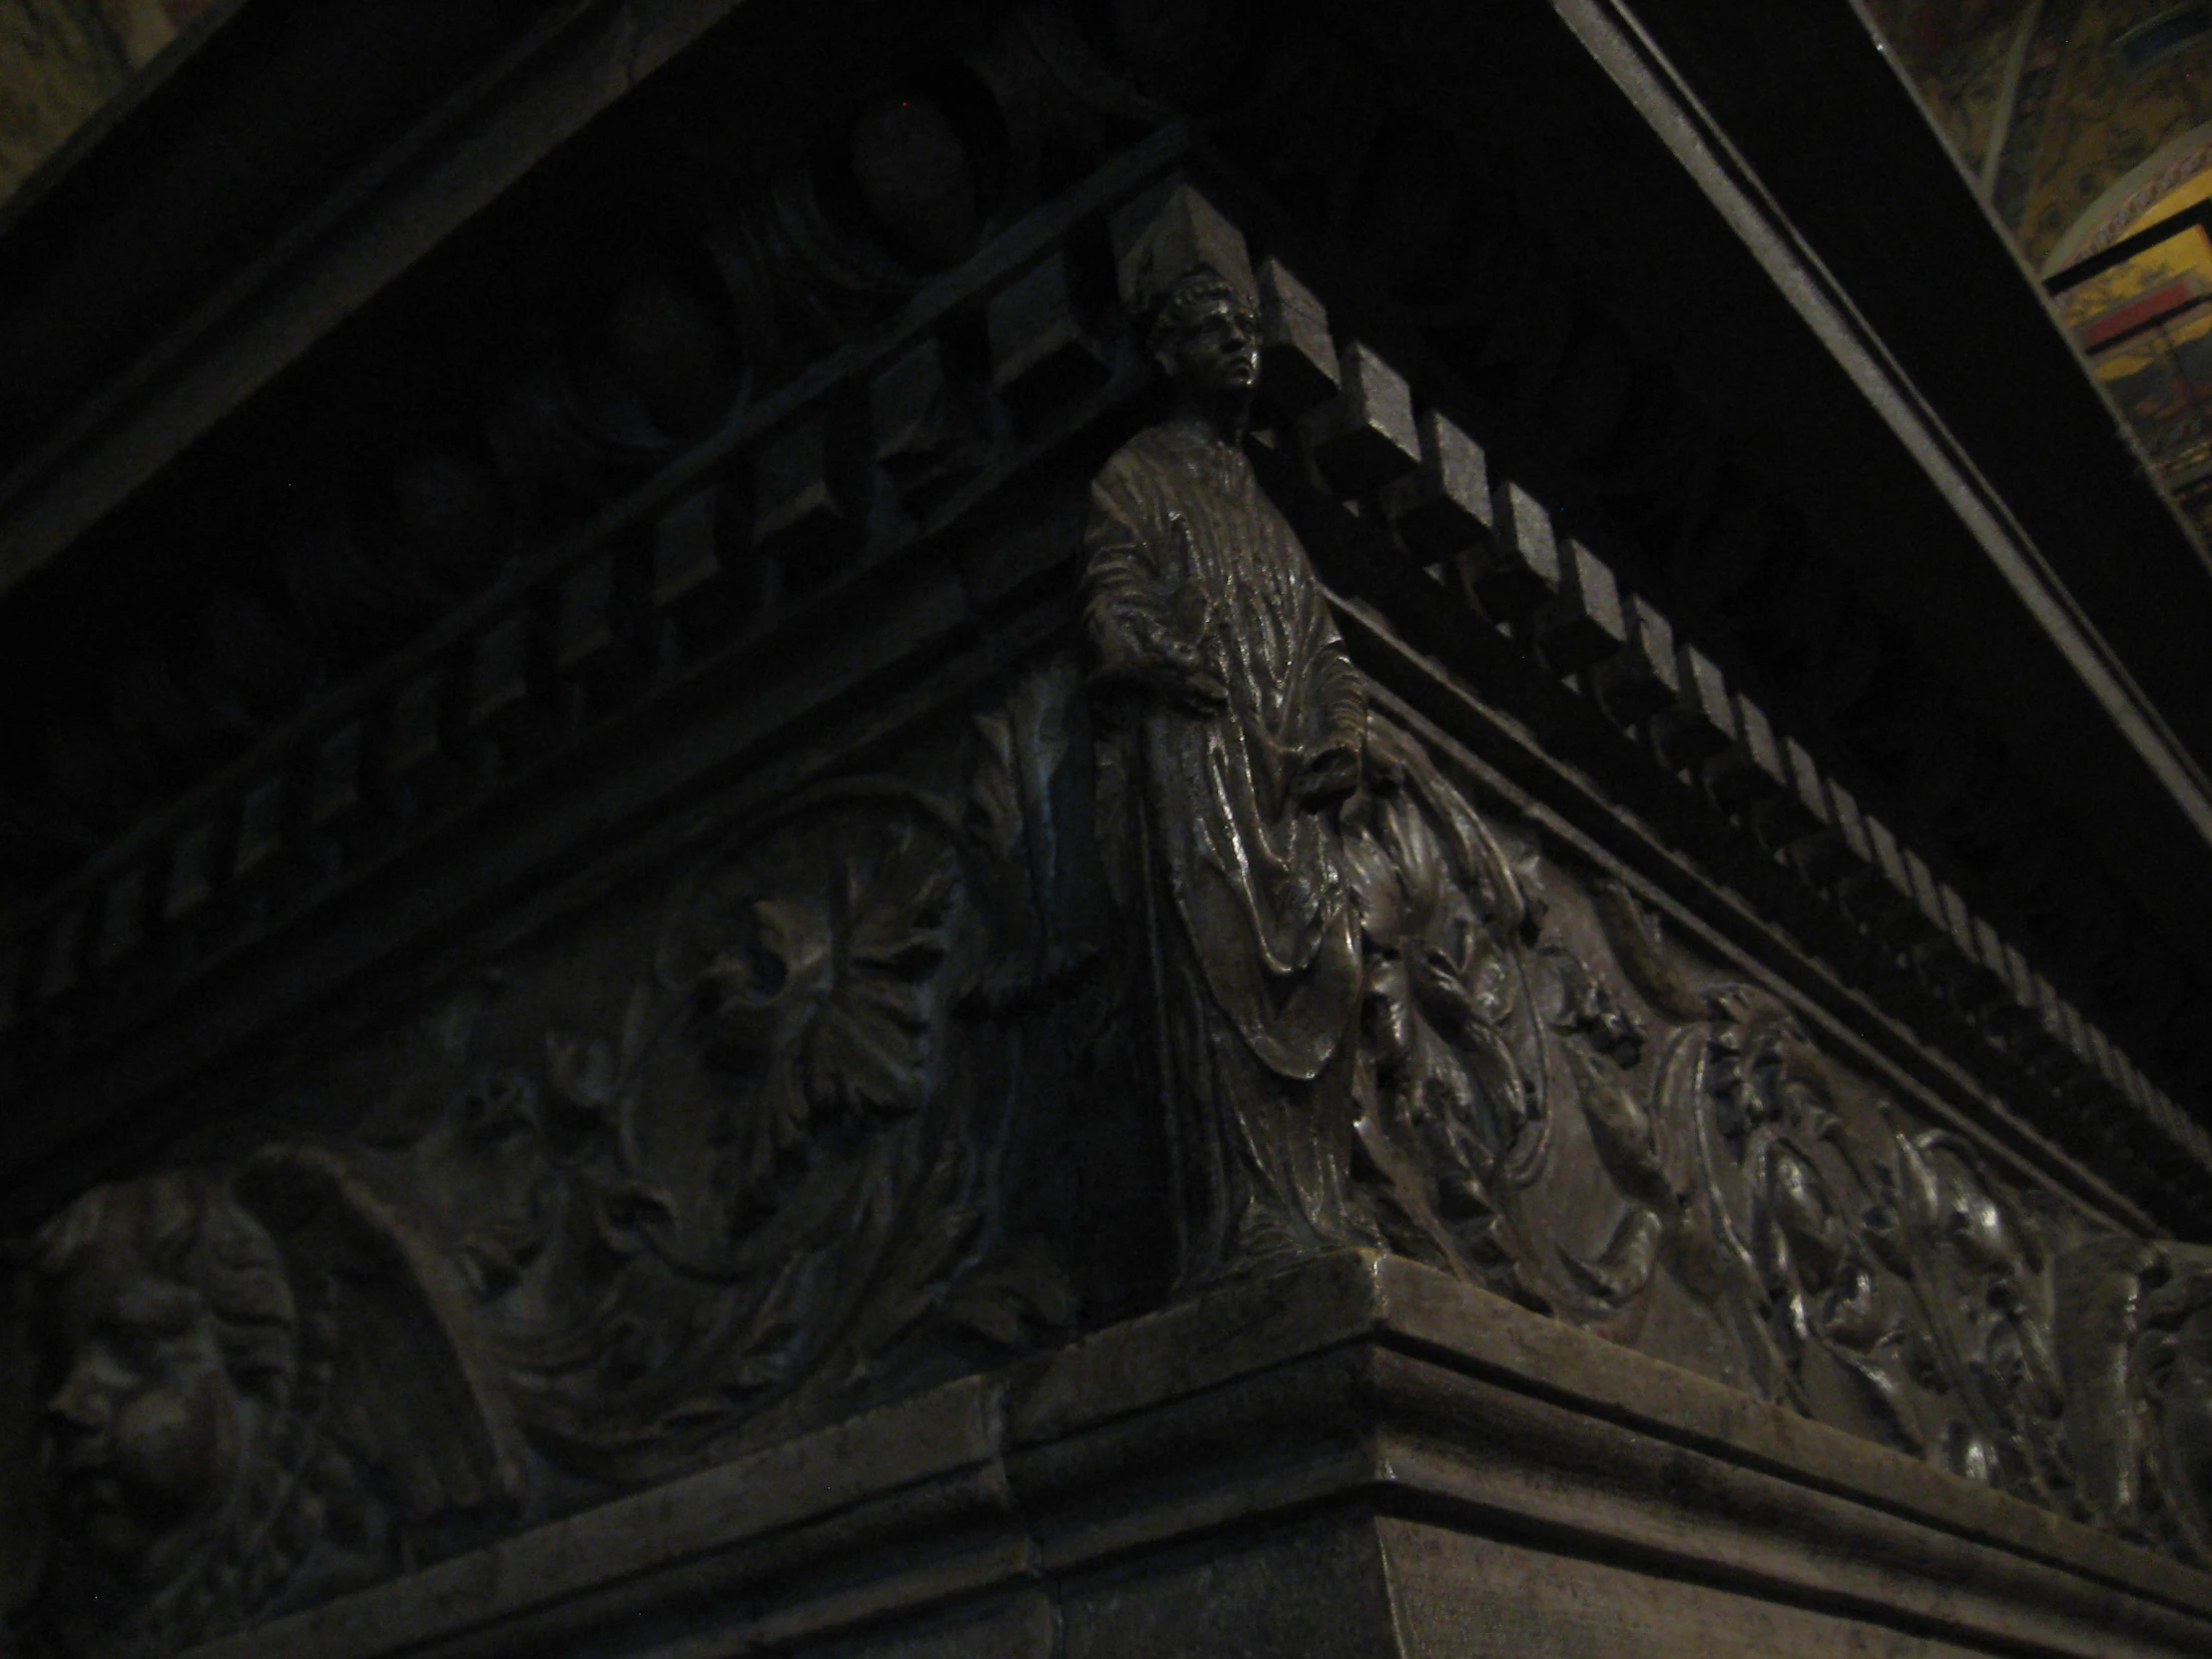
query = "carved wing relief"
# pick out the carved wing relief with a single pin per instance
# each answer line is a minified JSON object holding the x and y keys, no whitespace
{"x":257,"y":1391}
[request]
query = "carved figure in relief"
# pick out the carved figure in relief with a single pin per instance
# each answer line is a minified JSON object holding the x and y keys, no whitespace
{"x":2173,"y":1384}
{"x":2134,"y":1362}
{"x":218,"y":1445}
{"x":1233,"y":726}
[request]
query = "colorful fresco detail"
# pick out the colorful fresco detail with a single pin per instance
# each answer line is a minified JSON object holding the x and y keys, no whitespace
{"x":2157,"y":193}
{"x":2052,"y":104}
{"x":2086,"y":122}
{"x":60,"y":60}
{"x":2146,"y":325}
{"x":2104,"y":116}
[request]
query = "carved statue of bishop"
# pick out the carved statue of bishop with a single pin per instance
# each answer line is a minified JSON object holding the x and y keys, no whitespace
{"x":1231,"y":726}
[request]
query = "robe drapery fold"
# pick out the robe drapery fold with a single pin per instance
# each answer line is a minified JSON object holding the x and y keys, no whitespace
{"x":1202,"y":606}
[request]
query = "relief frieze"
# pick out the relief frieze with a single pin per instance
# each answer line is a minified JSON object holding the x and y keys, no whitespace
{"x":1379,"y":1014}
{"x":1180,"y":956}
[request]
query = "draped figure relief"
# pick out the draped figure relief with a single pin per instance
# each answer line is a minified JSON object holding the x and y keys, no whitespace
{"x":1376,"y":1009}
{"x":1234,"y":727}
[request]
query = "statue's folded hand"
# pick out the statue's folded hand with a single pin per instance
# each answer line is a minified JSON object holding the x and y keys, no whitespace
{"x":1197,"y":689}
{"x":1328,"y":772}
{"x":1177,"y":669}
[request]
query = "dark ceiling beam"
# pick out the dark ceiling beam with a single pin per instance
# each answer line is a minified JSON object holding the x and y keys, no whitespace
{"x":228,"y":222}
{"x":1876,"y":352}
{"x":1821,"y":113}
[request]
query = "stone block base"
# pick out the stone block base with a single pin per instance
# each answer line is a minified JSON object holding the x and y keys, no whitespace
{"x":1356,"y":1457}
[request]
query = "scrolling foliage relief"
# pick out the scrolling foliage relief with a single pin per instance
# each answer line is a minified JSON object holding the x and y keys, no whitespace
{"x":1375,"y":1016}
{"x":1583,"y":1120}
{"x":557,"y":1258}
{"x":783,"y":1174}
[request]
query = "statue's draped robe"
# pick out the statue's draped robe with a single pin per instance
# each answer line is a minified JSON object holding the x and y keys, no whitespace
{"x":1247,"y":943}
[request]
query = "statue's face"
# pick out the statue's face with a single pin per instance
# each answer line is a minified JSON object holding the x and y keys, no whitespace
{"x":144,"y":1428}
{"x":1218,"y":353}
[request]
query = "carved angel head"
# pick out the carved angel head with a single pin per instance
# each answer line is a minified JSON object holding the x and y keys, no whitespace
{"x":249,"y":1378}
{"x":171,"y":1343}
